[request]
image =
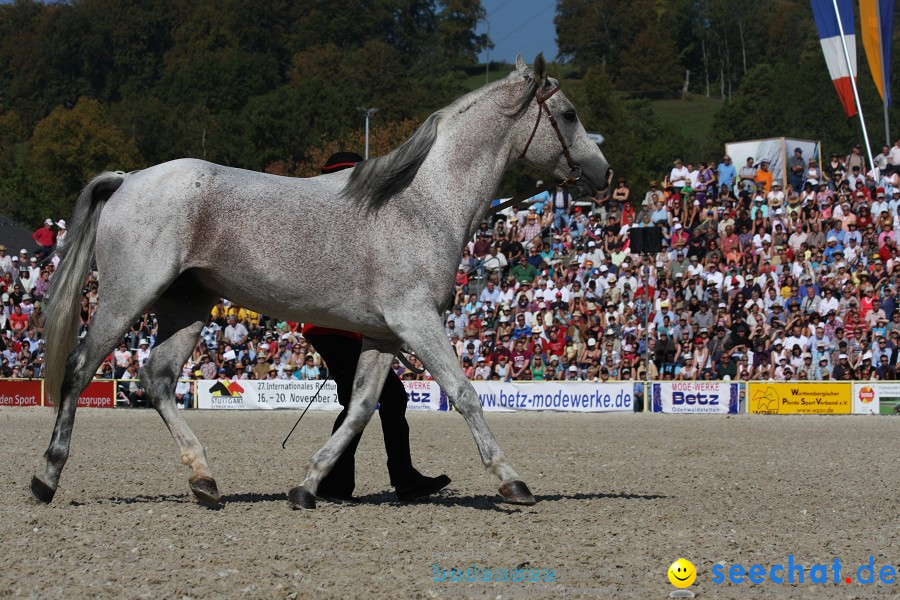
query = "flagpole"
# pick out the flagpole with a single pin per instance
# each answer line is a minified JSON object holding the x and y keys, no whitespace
{"x":862,"y":120}
{"x":887,"y":125}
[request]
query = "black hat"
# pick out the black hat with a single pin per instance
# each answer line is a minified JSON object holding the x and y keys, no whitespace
{"x":340,"y":161}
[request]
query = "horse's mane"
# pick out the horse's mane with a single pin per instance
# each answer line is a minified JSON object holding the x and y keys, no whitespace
{"x":374,"y":182}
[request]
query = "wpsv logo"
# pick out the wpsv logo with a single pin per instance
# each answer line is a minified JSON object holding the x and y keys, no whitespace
{"x":767,"y":401}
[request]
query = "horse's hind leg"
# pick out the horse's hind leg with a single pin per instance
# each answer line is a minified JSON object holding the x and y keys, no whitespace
{"x":181,"y":316}
{"x":429,"y":343}
{"x":371,"y":373}
{"x":81,"y":365}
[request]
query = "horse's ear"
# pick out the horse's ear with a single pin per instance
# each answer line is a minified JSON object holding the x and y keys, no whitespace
{"x":521,"y":67}
{"x":539,"y":71}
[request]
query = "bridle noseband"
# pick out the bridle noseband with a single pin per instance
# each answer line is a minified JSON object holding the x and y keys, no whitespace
{"x":574,"y":170}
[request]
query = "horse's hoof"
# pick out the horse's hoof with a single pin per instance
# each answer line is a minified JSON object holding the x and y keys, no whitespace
{"x":299,"y":497}
{"x":41,"y":492}
{"x":205,"y":490}
{"x":516,"y":492}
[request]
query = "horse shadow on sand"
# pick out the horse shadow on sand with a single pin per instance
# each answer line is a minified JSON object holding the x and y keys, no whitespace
{"x":448,"y":498}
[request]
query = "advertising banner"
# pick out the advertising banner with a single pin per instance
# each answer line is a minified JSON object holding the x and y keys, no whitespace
{"x":99,"y":394}
{"x":21,"y":392}
{"x":868,"y":396}
{"x":293,"y":394}
{"x":574,"y":396}
{"x":799,"y":398}
{"x":424,"y":395}
{"x":695,"y":397}
{"x":265,"y":394}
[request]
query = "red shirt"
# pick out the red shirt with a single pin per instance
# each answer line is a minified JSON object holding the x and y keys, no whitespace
{"x":44,"y":237}
{"x":559,"y":346}
{"x":19,"y":322}
{"x":520,"y":359}
{"x":309,"y":328}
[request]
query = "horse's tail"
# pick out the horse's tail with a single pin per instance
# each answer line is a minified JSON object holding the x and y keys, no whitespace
{"x":61,"y":325}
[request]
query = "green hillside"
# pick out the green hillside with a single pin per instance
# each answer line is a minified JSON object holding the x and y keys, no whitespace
{"x":691,"y":118}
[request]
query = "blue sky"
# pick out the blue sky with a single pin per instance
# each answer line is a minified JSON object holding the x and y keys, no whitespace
{"x":520,"y":26}
{"x":516,"y":26}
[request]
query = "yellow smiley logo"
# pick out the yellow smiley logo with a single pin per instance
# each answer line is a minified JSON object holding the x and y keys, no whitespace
{"x":682,"y":573}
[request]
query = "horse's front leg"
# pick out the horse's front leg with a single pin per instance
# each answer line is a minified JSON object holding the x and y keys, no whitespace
{"x":425,"y":336}
{"x":371,"y":373}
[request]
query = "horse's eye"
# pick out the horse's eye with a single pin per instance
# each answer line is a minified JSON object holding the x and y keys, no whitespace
{"x":569,"y":116}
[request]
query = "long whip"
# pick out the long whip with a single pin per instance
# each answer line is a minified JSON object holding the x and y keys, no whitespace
{"x":303,"y":413}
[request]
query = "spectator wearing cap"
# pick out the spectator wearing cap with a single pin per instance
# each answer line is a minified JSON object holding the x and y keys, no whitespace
{"x":813,"y":176}
{"x":143,"y":352}
{"x":678,"y":240}
{"x":776,"y":196}
{"x":60,"y":233}
{"x":482,"y":369}
{"x":45,"y":238}
{"x":832,"y":248}
{"x":240,"y":371}
{"x":843,"y":370}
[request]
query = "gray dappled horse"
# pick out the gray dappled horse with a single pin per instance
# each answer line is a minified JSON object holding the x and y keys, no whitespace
{"x":373,"y":249}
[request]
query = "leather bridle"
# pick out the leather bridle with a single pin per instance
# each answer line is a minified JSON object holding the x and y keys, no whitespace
{"x":574,"y":170}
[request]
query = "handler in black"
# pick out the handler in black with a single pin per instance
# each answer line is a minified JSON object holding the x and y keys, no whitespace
{"x":341,"y":350}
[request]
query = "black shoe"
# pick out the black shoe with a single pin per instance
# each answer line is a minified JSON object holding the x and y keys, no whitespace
{"x":421,"y":486}
{"x":336,"y":498}
{"x":337,"y":494}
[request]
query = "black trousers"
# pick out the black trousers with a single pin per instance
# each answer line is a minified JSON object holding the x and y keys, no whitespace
{"x":341,"y":353}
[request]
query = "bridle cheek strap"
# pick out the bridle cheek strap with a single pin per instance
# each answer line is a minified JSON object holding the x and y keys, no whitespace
{"x":574,"y":170}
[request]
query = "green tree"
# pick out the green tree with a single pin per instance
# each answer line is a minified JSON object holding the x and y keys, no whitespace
{"x":71,"y":146}
{"x":649,"y":68}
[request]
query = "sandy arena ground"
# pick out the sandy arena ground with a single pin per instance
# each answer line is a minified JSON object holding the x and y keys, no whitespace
{"x":620,"y":498}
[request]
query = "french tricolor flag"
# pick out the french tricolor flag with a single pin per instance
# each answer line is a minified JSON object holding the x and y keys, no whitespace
{"x":830,"y":37}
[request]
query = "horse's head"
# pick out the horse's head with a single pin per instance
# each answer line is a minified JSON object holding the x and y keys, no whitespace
{"x":549,"y":135}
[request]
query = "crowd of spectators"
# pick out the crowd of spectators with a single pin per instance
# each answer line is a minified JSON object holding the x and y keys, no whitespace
{"x":758,"y":279}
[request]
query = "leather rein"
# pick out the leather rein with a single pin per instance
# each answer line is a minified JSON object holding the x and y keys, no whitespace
{"x":574,"y":170}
